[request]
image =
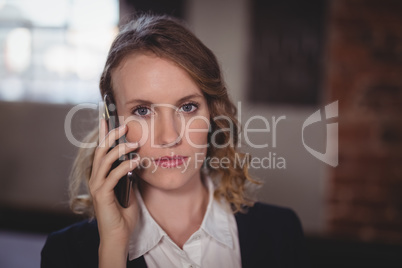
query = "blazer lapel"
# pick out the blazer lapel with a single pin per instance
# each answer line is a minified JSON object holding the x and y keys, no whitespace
{"x":256,"y":245}
{"x":137,"y":263}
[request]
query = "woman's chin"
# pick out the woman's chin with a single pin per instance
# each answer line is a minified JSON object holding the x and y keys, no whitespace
{"x":167,"y":179}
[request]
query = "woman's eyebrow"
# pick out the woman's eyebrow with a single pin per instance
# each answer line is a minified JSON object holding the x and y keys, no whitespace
{"x":134,"y":101}
{"x":147,"y":102}
{"x":186,"y":98}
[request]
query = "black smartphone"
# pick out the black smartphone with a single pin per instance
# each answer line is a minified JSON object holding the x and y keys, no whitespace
{"x":123,"y":187}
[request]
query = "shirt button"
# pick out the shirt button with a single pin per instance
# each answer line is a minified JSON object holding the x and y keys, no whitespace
{"x":197,"y":237}
{"x":190,"y":266}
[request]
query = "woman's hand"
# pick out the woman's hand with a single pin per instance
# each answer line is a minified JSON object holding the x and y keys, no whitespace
{"x":115,"y":223}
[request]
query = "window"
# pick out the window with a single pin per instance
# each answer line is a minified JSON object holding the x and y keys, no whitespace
{"x":54,"y":50}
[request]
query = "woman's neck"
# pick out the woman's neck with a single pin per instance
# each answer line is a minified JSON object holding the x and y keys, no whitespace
{"x":179,"y":212}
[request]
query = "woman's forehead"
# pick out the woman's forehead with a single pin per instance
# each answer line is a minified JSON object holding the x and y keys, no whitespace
{"x":147,"y":76}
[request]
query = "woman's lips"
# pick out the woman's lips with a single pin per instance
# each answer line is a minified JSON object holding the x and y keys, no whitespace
{"x":170,"y":161}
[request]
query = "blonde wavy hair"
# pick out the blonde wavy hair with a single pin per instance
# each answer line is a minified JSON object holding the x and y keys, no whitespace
{"x":168,"y":38}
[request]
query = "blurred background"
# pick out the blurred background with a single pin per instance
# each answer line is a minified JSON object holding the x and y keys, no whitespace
{"x":281,"y":59}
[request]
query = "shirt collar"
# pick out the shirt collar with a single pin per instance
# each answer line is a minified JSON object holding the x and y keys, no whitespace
{"x":148,"y":233}
{"x":216,"y":222}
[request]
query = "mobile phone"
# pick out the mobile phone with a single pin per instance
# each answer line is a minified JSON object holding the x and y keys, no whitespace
{"x":123,"y":187}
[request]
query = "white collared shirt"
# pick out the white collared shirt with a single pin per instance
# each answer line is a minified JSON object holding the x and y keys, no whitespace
{"x":215,"y":244}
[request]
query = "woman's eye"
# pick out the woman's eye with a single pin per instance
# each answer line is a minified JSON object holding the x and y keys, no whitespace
{"x":188,"y":108}
{"x":142,"y":111}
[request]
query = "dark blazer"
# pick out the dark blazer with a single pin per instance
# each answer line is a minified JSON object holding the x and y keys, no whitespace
{"x":269,"y":236}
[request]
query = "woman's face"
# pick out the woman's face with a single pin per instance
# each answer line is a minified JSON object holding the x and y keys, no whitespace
{"x":167,"y":114}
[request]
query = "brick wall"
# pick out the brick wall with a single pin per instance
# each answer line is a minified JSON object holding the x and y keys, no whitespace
{"x":365,"y":74}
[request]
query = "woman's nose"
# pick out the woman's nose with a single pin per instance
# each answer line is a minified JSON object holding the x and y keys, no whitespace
{"x":168,"y":130}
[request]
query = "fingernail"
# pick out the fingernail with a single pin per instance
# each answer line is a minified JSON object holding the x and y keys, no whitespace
{"x":132,"y":144}
{"x":135,"y":158}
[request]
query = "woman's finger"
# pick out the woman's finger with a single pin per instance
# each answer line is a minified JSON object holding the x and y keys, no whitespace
{"x":112,"y":156}
{"x":111,"y":138}
{"x":105,"y":189}
{"x":120,"y":171}
{"x":103,"y":130}
{"x":104,"y":147}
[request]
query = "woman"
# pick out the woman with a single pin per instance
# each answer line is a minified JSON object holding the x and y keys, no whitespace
{"x":188,"y":206}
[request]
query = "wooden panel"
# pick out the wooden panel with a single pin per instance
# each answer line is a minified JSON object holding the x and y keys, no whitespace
{"x":287,"y":39}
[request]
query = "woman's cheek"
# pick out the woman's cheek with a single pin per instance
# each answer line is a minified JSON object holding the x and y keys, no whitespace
{"x":197,"y":132}
{"x":138,"y":131}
